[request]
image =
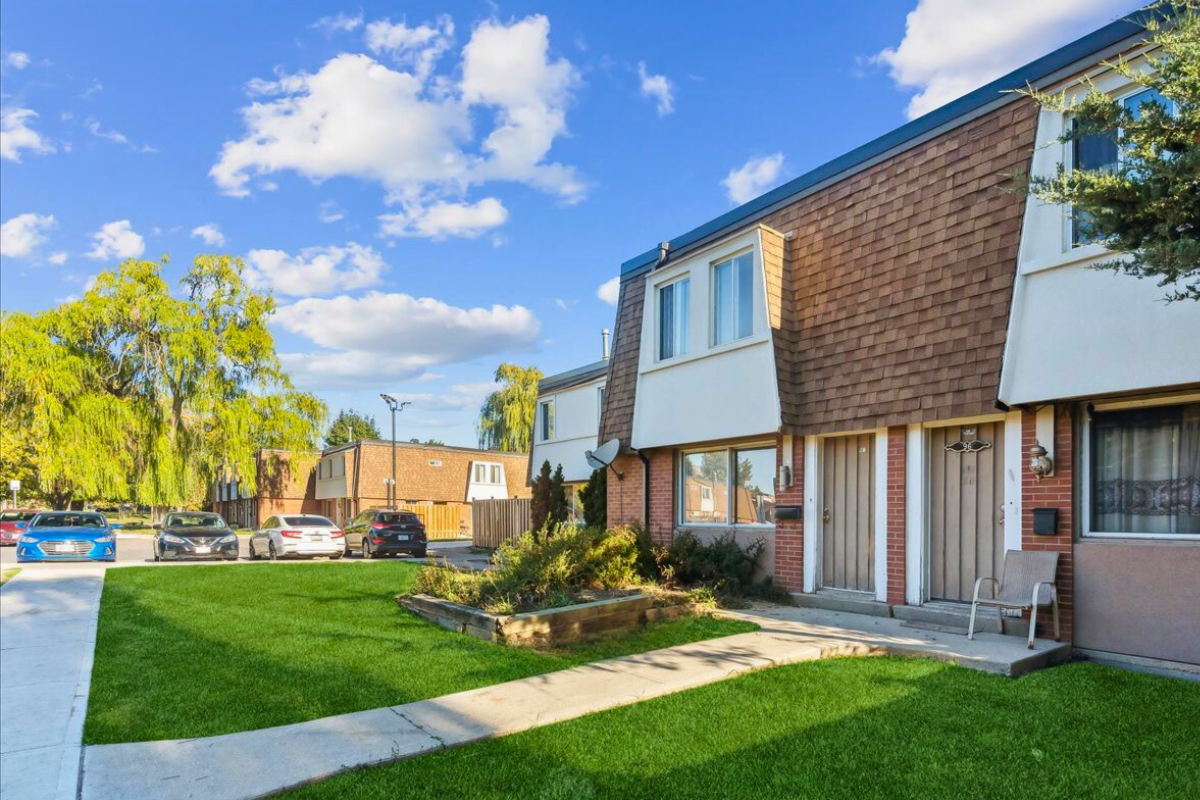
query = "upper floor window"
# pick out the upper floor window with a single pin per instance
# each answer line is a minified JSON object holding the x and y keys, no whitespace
{"x":673,"y":307}
{"x":1099,"y":151}
{"x":546,"y":419}
{"x":599,"y":405}
{"x":485,"y":472}
{"x":733,"y":298}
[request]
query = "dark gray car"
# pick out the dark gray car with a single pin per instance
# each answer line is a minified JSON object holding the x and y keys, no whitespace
{"x":378,"y":533}
{"x":194,"y":534}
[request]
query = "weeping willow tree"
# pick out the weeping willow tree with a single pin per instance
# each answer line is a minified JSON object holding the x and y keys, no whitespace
{"x":136,"y":393}
{"x":506,"y":418}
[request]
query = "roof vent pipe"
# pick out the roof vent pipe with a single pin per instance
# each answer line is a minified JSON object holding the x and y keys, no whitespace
{"x":663,"y":248}
{"x":604,"y":344}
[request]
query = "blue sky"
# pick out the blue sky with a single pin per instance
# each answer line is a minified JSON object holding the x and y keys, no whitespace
{"x":432,"y":188}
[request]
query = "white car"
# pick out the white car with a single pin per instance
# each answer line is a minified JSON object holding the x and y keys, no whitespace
{"x":297,"y":535}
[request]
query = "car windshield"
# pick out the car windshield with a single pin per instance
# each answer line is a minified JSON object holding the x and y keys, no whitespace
{"x":68,"y":520}
{"x":194,"y":521}
{"x":308,"y":521}
{"x":402,"y":518}
{"x":17,"y":516}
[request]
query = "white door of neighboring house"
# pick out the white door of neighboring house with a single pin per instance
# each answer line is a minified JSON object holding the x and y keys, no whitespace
{"x":848,"y":513}
{"x":966,"y":507}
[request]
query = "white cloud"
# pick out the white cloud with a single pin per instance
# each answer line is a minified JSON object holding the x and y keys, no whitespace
{"x":330,"y":211}
{"x":418,"y":48}
{"x":443,"y":219}
{"x":315,"y":270}
{"x":659,"y":88}
{"x":753,"y":178}
{"x":58,"y":259}
{"x":16,"y":135}
{"x":380,"y":337}
{"x":610,"y":291}
{"x":93,"y":127}
{"x":210,"y":233}
{"x":411,"y":131}
{"x":563,"y":305}
{"x":952,"y":47}
{"x":117,"y":240}
{"x":18,"y":60}
{"x":21,"y":235}
{"x":340,"y":22}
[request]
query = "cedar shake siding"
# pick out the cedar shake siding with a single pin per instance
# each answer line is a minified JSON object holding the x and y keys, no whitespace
{"x":617,"y":421}
{"x":888,"y":292}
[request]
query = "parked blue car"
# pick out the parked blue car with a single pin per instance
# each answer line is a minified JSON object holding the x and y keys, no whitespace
{"x":67,"y":535}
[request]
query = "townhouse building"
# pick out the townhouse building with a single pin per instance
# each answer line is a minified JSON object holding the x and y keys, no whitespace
{"x":895,"y":367}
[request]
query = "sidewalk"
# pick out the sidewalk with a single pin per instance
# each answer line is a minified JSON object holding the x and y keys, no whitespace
{"x":47,"y":635}
{"x":258,"y":763}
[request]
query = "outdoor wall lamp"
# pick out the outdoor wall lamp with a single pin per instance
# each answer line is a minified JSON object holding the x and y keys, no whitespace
{"x":1039,"y":461}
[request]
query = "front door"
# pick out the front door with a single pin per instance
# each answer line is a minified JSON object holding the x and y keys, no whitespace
{"x":966,"y":507}
{"x":848,"y":513}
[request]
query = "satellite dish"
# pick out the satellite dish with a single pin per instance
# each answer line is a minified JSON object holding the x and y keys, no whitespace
{"x":604,"y":455}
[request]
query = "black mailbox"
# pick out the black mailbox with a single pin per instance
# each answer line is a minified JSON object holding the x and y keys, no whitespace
{"x":1045,"y":521}
{"x":787,"y":512}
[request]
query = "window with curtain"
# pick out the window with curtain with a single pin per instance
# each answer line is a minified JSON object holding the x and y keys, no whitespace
{"x":733,"y":298}
{"x":1145,"y":470}
{"x":673,"y":310}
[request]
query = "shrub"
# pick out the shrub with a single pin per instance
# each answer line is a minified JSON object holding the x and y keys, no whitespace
{"x":594,"y":498}
{"x":541,"y":572}
{"x":722,"y":565}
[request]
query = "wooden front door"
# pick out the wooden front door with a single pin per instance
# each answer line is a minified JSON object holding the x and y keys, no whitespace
{"x":848,"y":513}
{"x":966,"y":507}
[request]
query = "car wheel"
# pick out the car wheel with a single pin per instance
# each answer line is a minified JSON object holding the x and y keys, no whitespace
{"x":271,"y":554}
{"x":251,"y":549}
{"x":157,"y":557}
{"x":335,"y":556}
{"x":421,"y":554}
{"x":368,"y":552}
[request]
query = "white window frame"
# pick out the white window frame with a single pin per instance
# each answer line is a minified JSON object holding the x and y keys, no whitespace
{"x":546,"y":435}
{"x":731,"y":483}
{"x":736,"y":297}
{"x":683,"y":329}
{"x":486,"y":469}
{"x":1131,"y":90}
{"x":1085,"y":468}
{"x":599,"y":405}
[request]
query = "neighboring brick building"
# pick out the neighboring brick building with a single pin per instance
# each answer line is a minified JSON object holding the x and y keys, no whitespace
{"x":286,"y":484}
{"x":873,"y":350}
{"x":351,"y":478}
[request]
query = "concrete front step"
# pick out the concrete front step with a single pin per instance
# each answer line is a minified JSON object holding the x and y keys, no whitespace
{"x":852,"y":602}
{"x":933,"y":626}
{"x":952,"y":618}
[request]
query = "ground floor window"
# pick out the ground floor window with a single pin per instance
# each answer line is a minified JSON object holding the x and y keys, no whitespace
{"x":727,"y":486}
{"x":1145,"y":470}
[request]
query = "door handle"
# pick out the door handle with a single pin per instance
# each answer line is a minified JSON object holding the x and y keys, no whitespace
{"x":826,"y":517}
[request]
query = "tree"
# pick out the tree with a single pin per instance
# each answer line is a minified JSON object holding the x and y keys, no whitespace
{"x":136,"y":393}
{"x":506,"y":418}
{"x":435,"y":442}
{"x":539,"y":506}
{"x":1145,"y":207}
{"x":558,"y":511}
{"x":594,"y":498}
{"x":350,"y":426}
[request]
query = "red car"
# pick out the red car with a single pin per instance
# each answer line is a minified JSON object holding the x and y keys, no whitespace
{"x":13,"y":523}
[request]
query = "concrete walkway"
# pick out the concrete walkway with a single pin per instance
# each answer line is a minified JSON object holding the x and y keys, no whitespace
{"x":47,"y":635}
{"x":257,"y":763}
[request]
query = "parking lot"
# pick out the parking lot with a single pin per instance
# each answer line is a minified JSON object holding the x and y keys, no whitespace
{"x":135,"y":549}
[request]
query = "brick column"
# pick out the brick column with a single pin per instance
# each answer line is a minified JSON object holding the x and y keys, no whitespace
{"x":897,"y":455}
{"x":789,"y":533}
{"x":625,"y":496}
{"x":1053,"y":492}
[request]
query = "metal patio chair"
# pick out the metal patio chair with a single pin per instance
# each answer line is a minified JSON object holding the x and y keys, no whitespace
{"x":1027,"y":581}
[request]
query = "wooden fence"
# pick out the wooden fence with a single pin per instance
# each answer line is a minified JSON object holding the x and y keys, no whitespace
{"x":497,"y":521}
{"x":441,"y":521}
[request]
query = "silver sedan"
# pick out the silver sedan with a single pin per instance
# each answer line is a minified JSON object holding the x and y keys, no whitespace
{"x":297,"y":535}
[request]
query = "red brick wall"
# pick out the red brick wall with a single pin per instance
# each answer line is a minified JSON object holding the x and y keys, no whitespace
{"x":897,"y":455}
{"x":1053,"y":492}
{"x":662,"y":496}
{"x":789,"y":533}
{"x":625,"y":495}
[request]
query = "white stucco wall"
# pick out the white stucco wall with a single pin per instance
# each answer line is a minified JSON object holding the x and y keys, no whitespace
{"x":576,"y":425}
{"x":1078,"y":332}
{"x":710,"y":392}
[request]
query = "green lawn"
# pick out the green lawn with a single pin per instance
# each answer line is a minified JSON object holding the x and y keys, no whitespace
{"x":847,"y":728}
{"x":8,"y":574}
{"x":197,"y":651}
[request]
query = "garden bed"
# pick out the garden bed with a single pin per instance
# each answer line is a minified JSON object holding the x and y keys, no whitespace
{"x":552,"y":626}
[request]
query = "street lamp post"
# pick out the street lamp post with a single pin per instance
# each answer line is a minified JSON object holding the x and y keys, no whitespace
{"x":395,"y":405}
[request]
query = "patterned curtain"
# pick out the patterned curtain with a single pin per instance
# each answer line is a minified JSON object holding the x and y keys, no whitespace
{"x":1146,"y":470}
